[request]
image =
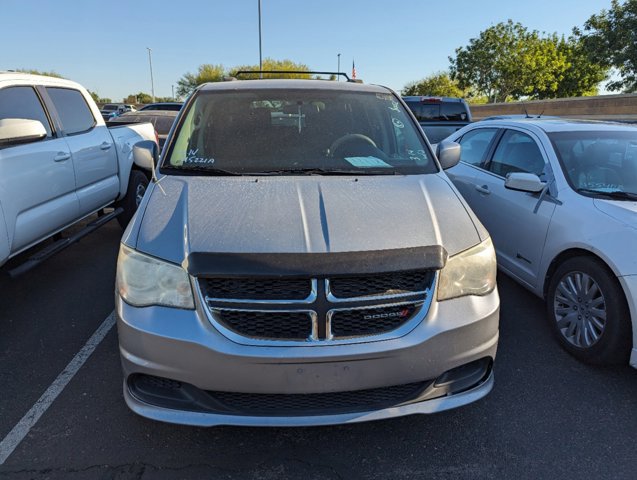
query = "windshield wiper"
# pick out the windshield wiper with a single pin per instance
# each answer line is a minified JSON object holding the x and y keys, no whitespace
{"x":197,"y":169}
{"x":324,"y":171}
{"x":613,"y":194}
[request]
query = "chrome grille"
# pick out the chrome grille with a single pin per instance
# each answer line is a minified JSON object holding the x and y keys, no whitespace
{"x":369,"y":321}
{"x":384,"y":284}
{"x":339,"y":309}
{"x":292,"y":289}
{"x":269,"y":325}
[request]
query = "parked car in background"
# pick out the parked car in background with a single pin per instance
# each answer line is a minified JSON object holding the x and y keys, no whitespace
{"x":174,"y":106}
{"x":112,"y":110}
{"x":304,"y":261}
{"x":439,"y":117}
{"x":559,"y":198}
{"x":162,"y":120}
{"x":60,"y":163}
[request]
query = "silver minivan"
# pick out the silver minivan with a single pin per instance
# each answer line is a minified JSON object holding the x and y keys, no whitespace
{"x":301,"y":258}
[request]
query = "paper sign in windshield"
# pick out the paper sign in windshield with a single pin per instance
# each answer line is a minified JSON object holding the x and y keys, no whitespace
{"x":367,"y":162}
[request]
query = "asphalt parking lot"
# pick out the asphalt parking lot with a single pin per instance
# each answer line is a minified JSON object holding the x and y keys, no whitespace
{"x":547,"y":417}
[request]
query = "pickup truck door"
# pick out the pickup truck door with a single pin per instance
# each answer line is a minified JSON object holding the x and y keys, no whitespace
{"x":92,"y":148}
{"x":37,"y":180}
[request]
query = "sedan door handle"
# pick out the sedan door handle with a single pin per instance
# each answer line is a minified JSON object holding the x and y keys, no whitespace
{"x":484,"y":189}
{"x":61,"y":156}
{"x":105,"y":146}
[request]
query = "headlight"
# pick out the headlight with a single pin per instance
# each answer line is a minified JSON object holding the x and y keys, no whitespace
{"x":471,"y":272}
{"x":143,"y":281}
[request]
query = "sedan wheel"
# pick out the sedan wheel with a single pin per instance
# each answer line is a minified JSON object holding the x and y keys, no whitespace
{"x":580,"y":309}
{"x":588,"y":312}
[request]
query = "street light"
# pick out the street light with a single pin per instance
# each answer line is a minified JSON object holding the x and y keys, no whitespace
{"x":338,"y":77}
{"x":260,"y":56}
{"x":173,"y":89}
{"x":152,"y":82}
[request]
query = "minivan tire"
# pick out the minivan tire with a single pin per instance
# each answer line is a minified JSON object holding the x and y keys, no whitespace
{"x":588,"y":313}
{"x":137,"y":185}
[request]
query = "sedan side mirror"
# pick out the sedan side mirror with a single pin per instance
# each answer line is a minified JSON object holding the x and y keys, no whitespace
{"x":524,"y":182}
{"x":448,"y":154}
{"x":145,"y":154}
{"x":16,"y":131}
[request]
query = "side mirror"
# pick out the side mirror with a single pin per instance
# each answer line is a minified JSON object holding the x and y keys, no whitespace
{"x":16,"y":131}
{"x":524,"y":182}
{"x":448,"y":154}
{"x":145,"y":154}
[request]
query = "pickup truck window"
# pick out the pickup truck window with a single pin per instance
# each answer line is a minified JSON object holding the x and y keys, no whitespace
{"x":23,"y":102}
{"x":75,"y":115}
{"x":278,"y":131}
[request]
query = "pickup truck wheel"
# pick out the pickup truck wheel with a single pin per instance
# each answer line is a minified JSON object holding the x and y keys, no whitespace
{"x":588,"y":312}
{"x":137,"y":185}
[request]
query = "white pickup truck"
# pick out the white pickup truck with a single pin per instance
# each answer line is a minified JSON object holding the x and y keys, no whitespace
{"x":59,"y":163}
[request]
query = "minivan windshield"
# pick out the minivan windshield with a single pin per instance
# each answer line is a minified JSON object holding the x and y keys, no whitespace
{"x":599,"y":163}
{"x":302,"y":131}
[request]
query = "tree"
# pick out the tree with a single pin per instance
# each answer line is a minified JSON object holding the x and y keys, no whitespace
{"x":438,"y":84}
{"x":610,"y":38}
{"x":216,"y":73}
{"x":140,"y":97}
{"x":99,"y":99}
{"x":507,"y":61}
{"x":38,"y":72}
{"x":271,"y":64}
{"x":583,"y":74}
{"x":205,"y":73}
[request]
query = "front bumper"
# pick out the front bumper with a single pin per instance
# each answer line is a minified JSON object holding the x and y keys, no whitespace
{"x":183,"y":345}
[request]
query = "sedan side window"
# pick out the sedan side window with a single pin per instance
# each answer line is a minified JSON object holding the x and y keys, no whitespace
{"x":23,"y":102}
{"x":517,"y":152}
{"x":475,"y":145}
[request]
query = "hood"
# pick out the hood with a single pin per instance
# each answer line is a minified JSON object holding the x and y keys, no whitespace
{"x":309,"y":214}
{"x":621,"y":210}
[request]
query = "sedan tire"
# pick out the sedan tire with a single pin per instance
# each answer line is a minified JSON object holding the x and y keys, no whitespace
{"x":588,"y":312}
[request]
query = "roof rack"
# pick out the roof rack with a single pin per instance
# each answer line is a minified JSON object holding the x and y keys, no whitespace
{"x":297,"y":72}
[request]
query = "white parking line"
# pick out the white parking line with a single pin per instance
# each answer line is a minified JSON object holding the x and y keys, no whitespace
{"x":26,"y":423}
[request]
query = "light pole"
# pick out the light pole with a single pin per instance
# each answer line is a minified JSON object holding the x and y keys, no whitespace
{"x":152,"y":82}
{"x":173,"y":89}
{"x":260,"y":56}
{"x":338,"y":77}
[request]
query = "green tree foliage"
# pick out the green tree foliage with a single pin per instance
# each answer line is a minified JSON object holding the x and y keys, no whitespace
{"x":582,"y":75}
{"x":39,"y":72}
{"x":99,"y":99}
{"x":610,"y":38}
{"x":439,"y":85}
{"x":140,"y":97}
{"x":216,"y":73}
{"x":271,"y":64}
{"x":205,"y":73}
{"x":509,"y":62}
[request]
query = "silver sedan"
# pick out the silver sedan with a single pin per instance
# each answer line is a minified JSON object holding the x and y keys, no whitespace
{"x":559,"y":198}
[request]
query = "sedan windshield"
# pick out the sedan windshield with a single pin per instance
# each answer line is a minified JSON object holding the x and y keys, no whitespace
{"x":599,"y":163}
{"x":293,"y":132}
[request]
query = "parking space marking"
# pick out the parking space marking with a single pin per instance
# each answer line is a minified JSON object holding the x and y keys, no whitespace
{"x":26,"y":423}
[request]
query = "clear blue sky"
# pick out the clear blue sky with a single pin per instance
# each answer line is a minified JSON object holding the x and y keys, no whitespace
{"x":102,"y":44}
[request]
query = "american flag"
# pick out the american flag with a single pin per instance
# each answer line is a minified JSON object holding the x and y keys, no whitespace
{"x":353,"y":70}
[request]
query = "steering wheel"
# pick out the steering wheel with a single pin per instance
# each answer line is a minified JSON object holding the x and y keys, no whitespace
{"x":336,"y":144}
